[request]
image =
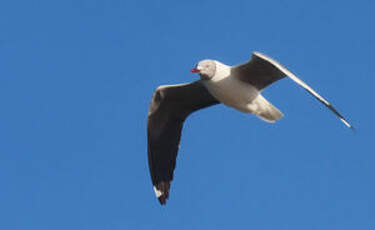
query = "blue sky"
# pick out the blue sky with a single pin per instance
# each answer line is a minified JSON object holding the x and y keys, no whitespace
{"x":76,"y":79}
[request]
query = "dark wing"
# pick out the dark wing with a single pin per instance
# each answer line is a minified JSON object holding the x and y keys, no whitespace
{"x":262,"y":71}
{"x":258,"y":72}
{"x":169,"y":108}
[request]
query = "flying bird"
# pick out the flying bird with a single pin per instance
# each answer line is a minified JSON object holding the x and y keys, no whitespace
{"x":238,"y":87}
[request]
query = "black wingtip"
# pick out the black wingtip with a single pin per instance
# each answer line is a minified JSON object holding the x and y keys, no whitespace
{"x":162,"y":191}
{"x":341,"y":117}
{"x":163,"y":199}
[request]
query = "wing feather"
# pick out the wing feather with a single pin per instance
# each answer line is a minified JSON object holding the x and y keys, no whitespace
{"x":169,"y":108}
{"x":262,"y":71}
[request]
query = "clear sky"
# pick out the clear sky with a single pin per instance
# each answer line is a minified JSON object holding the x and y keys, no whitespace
{"x":76,"y":79}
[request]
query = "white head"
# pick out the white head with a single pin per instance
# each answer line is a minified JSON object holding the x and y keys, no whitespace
{"x":206,"y":69}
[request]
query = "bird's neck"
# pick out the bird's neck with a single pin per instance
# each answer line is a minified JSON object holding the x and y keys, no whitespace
{"x":222,"y":71}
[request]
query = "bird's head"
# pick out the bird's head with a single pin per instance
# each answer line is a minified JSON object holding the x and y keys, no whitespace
{"x":206,"y":69}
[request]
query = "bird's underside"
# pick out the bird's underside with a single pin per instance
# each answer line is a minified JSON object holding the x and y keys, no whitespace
{"x":172,"y":104}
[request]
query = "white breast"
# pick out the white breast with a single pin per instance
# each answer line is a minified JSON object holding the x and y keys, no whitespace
{"x":229,"y":90}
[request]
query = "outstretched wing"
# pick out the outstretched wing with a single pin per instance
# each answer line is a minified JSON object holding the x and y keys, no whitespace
{"x":262,"y":71}
{"x":170,"y":106}
{"x":258,"y":72}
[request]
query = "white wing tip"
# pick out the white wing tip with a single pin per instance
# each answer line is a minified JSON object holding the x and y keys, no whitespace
{"x":346,"y":123}
{"x":158,"y":193}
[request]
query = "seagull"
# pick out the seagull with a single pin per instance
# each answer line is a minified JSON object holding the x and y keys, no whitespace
{"x":238,"y":87}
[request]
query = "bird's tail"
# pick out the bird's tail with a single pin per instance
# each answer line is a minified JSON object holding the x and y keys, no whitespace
{"x":265,"y":110}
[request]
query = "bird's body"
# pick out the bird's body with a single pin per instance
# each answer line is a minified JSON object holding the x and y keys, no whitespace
{"x":227,"y":88}
{"x":238,"y":87}
{"x":230,"y":90}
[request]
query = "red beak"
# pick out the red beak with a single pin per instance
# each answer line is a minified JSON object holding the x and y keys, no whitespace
{"x":195,"y":70}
